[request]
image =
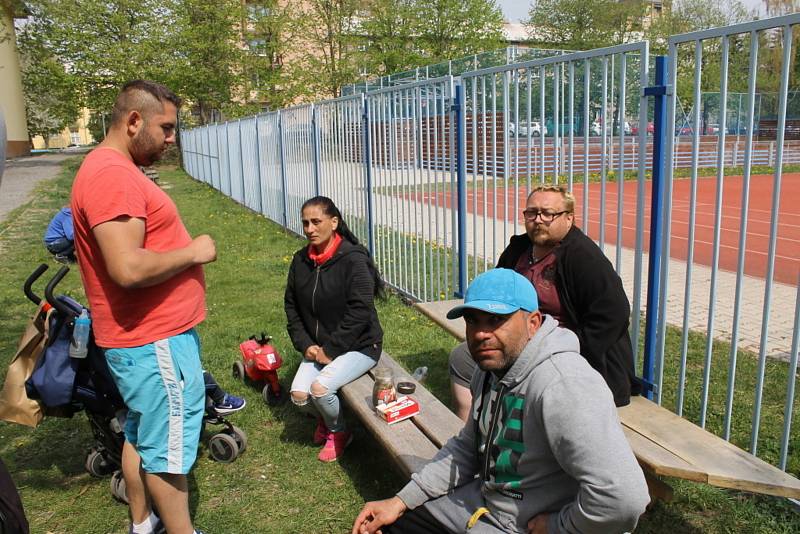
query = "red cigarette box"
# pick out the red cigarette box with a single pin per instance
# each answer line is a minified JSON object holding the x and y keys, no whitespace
{"x":402,"y":408}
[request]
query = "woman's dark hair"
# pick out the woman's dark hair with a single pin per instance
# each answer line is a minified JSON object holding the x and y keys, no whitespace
{"x":330,"y":209}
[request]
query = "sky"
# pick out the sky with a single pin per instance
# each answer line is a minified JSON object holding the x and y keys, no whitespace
{"x":517,"y":10}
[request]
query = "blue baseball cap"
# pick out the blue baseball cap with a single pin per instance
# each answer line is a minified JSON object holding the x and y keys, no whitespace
{"x":499,"y":291}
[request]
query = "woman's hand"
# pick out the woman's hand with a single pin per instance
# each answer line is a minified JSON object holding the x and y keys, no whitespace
{"x":322,"y":358}
{"x":311,"y":352}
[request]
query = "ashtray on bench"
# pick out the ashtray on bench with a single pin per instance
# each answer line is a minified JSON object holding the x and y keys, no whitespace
{"x":398,"y":410}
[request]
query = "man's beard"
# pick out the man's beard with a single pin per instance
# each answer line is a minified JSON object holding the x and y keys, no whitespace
{"x":144,"y":149}
{"x":541,"y":239}
{"x":510,"y":355}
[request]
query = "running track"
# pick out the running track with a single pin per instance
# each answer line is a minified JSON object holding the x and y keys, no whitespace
{"x":787,"y":257}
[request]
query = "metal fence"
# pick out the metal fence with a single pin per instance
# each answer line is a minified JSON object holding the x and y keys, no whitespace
{"x":432,"y":176}
{"x":772,"y":34}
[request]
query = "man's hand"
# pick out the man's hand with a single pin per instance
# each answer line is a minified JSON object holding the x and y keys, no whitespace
{"x":205,"y":251}
{"x":538,"y":525}
{"x":311,"y":353}
{"x":322,"y":358}
{"x":377,"y":514}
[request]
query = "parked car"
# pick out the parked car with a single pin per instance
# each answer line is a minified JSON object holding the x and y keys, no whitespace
{"x":651,"y":128}
{"x":534,"y":129}
{"x":741,"y":129}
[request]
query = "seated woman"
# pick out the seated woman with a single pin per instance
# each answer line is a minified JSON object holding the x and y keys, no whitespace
{"x":332,"y":320}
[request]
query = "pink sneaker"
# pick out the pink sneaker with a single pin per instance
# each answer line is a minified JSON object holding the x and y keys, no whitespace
{"x":335,"y":445}
{"x":321,"y":433}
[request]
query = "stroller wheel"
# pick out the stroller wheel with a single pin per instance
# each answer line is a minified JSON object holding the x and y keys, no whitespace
{"x":240,"y":437}
{"x":96,"y":464}
{"x":223,"y":448}
{"x":118,"y":489}
{"x":238,"y":370}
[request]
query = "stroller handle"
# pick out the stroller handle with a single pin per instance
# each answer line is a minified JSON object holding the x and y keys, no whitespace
{"x":48,"y":293}
{"x":33,"y":297}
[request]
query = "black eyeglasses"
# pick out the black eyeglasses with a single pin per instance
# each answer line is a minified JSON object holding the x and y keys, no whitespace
{"x":546,"y":216}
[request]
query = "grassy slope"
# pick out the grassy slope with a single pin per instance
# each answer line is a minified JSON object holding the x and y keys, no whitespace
{"x":277,"y":485}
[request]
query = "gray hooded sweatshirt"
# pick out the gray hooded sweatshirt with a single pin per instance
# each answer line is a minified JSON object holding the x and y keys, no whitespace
{"x":556,"y":447}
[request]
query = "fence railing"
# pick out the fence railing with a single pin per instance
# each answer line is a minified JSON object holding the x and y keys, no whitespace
{"x":432,"y":176}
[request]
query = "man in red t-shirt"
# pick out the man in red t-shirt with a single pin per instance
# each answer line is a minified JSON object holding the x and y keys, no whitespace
{"x":143,"y":277}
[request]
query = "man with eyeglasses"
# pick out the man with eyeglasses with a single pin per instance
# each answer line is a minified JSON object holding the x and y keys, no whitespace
{"x":576,"y":284}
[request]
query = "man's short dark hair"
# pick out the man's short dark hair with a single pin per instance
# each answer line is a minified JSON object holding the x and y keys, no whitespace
{"x":143,"y":96}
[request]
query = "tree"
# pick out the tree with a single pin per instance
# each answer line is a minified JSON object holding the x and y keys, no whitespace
{"x":196,"y":47}
{"x":449,"y":29}
{"x":683,"y":16}
{"x":390,"y":31}
{"x":268,"y":35}
{"x":585,"y":24}
{"x":328,"y":50}
{"x":206,"y":65}
{"x":51,"y":94}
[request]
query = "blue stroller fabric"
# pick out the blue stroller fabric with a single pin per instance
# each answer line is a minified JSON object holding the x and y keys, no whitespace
{"x":54,"y":377}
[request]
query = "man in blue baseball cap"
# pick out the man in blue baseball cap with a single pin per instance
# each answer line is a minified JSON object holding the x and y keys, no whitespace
{"x":542,"y":451}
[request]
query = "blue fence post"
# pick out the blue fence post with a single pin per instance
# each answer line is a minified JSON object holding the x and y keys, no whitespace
{"x":283,"y":172}
{"x":659,"y":91}
{"x":368,"y":175}
{"x":316,"y":147}
{"x":461,"y":176}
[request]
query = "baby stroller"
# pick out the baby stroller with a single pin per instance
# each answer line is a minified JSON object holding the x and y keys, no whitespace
{"x":64,"y":386}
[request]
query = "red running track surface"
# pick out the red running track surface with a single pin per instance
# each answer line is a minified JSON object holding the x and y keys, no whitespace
{"x":759,"y":213}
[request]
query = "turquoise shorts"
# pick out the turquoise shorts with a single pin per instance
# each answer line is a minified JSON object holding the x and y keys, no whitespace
{"x":162,"y":386}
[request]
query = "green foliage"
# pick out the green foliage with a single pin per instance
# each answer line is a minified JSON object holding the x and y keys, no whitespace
{"x":98,"y":125}
{"x":52,"y":101}
{"x":269,"y":36}
{"x":192,"y":46}
{"x":205,"y":65}
{"x":329,"y":55}
{"x":453,"y":28}
{"x":691,"y":15}
{"x":585,"y":24}
{"x":351,"y":39}
{"x":390,"y":28}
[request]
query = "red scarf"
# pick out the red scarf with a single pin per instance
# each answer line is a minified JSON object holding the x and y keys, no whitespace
{"x":328,"y":253}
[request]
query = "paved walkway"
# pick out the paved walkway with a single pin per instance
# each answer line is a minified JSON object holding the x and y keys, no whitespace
{"x":21,"y":176}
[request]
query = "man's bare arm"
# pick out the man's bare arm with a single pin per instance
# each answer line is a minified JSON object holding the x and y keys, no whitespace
{"x":131,"y":266}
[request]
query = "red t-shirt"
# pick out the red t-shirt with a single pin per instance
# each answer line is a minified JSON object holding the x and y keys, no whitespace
{"x":542,"y":275}
{"x":107,"y":186}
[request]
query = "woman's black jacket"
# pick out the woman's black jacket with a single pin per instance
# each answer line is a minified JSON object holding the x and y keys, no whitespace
{"x":332,"y":305}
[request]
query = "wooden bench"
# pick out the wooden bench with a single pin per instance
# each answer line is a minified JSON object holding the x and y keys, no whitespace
{"x":410,"y":443}
{"x":666,"y":444}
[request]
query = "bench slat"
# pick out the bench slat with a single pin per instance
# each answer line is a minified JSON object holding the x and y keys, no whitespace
{"x":407,"y":445}
{"x":666,"y":444}
{"x":722,"y":463}
{"x":437,"y":312}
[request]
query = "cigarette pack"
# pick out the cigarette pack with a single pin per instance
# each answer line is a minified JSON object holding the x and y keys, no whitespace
{"x":402,"y":408}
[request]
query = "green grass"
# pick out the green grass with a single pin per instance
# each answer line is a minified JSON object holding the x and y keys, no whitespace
{"x":277,"y":485}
